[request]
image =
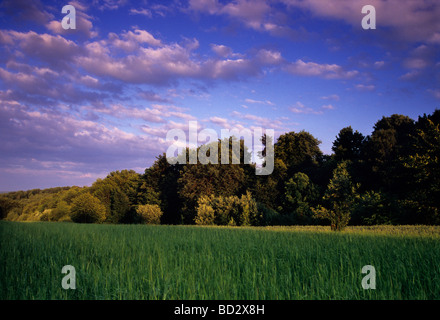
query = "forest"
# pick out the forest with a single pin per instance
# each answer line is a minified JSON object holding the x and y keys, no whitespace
{"x":389,"y":177}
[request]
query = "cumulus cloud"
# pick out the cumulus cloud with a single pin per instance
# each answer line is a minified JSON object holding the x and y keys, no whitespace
{"x":84,"y":26}
{"x":142,"y":11}
{"x":331,"y":97}
{"x":326,"y":71}
{"x":365,"y":87}
{"x":24,"y":10}
{"x":56,"y":51}
{"x":300,"y":108}
{"x":412,"y":21}
{"x":258,"y":15}
{"x":159,"y":64}
{"x":56,"y":137}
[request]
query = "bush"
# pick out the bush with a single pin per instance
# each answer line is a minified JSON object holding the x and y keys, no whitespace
{"x":268,"y":216}
{"x":370,"y":209}
{"x":87,"y":209}
{"x":149,"y":213}
{"x":227,"y":210}
{"x":205,"y":213}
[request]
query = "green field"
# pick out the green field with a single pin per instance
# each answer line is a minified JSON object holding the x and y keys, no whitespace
{"x":191,"y":262}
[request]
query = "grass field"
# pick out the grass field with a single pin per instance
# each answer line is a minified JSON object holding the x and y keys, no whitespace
{"x":191,"y":262}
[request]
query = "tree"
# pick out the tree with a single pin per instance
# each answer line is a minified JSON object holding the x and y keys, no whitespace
{"x":118,"y":192}
{"x":348,"y":145}
{"x":371,"y":208}
{"x":87,"y":209}
{"x":230,"y":210}
{"x":160,"y":186}
{"x":213,"y":179}
{"x":300,"y":195}
{"x":149,"y":213}
{"x":299,"y":151}
{"x":6,"y":204}
{"x":269,"y":189}
{"x":339,"y":197}
{"x":425,"y":163}
{"x":61,"y":210}
{"x":391,"y":141}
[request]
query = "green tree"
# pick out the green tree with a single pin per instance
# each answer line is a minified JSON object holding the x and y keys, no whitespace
{"x":149,"y":213}
{"x":87,"y":209}
{"x":6,"y":205}
{"x":371,"y":208}
{"x":160,"y":186}
{"x":391,"y":141}
{"x":213,"y":179}
{"x":230,"y":210}
{"x":425,"y":163}
{"x":348,"y":145}
{"x":299,"y":152}
{"x":61,"y":210}
{"x":118,"y":192}
{"x":300,"y":195}
{"x":269,"y":189}
{"x":339,"y":199}
{"x":205,"y":212}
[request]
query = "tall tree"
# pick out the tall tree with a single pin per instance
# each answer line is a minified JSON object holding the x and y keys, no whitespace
{"x":300,"y":195}
{"x":339,"y":199}
{"x":425,"y":161}
{"x":160,"y":187}
{"x":348,"y":145}
{"x":391,"y":141}
{"x":299,"y":151}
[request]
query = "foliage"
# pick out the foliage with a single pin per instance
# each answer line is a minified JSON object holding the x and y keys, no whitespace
{"x":348,"y":145}
{"x":300,"y":194}
{"x":340,"y":197}
{"x":230,"y":210}
{"x":87,"y":209}
{"x":149,"y":213}
{"x":117,"y":192}
{"x":370,"y":208}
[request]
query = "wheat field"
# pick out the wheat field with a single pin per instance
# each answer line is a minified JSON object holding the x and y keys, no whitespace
{"x":199,"y":263}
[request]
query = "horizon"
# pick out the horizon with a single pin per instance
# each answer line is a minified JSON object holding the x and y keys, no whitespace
{"x":78,"y":104}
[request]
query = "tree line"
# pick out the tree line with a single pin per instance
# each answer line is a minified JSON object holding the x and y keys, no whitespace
{"x":389,"y":177}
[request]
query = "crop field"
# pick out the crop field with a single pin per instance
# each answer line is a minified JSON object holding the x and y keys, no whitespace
{"x":194,"y":262}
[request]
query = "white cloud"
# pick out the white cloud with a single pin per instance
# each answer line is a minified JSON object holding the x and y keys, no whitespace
{"x":326,"y":71}
{"x":143,"y":11}
{"x":365,"y":87}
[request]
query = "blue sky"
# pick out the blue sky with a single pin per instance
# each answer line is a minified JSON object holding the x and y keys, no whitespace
{"x":78,"y":104}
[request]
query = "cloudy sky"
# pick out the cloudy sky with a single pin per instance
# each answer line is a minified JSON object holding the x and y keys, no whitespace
{"x":78,"y":104}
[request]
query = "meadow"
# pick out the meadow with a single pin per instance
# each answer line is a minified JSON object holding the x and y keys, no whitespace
{"x":195,"y":262}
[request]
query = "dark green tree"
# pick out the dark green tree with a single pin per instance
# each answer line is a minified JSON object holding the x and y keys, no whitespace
{"x":425,"y":163}
{"x":348,"y":145}
{"x":160,"y":186}
{"x":300,"y":195}
{"x":300,"y":152}
{"x":391,"y":141}
{"x":338,"y":200}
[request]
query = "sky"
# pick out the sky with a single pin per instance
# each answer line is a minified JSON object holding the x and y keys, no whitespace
{"x":78,"y":104}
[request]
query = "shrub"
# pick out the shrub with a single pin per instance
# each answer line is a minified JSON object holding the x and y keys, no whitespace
{"x":205,"y":213}
{"x":268,"y":216}
{"x":149,"y":213}
{"x":370,"y":209}
{"x":227,"y":210}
